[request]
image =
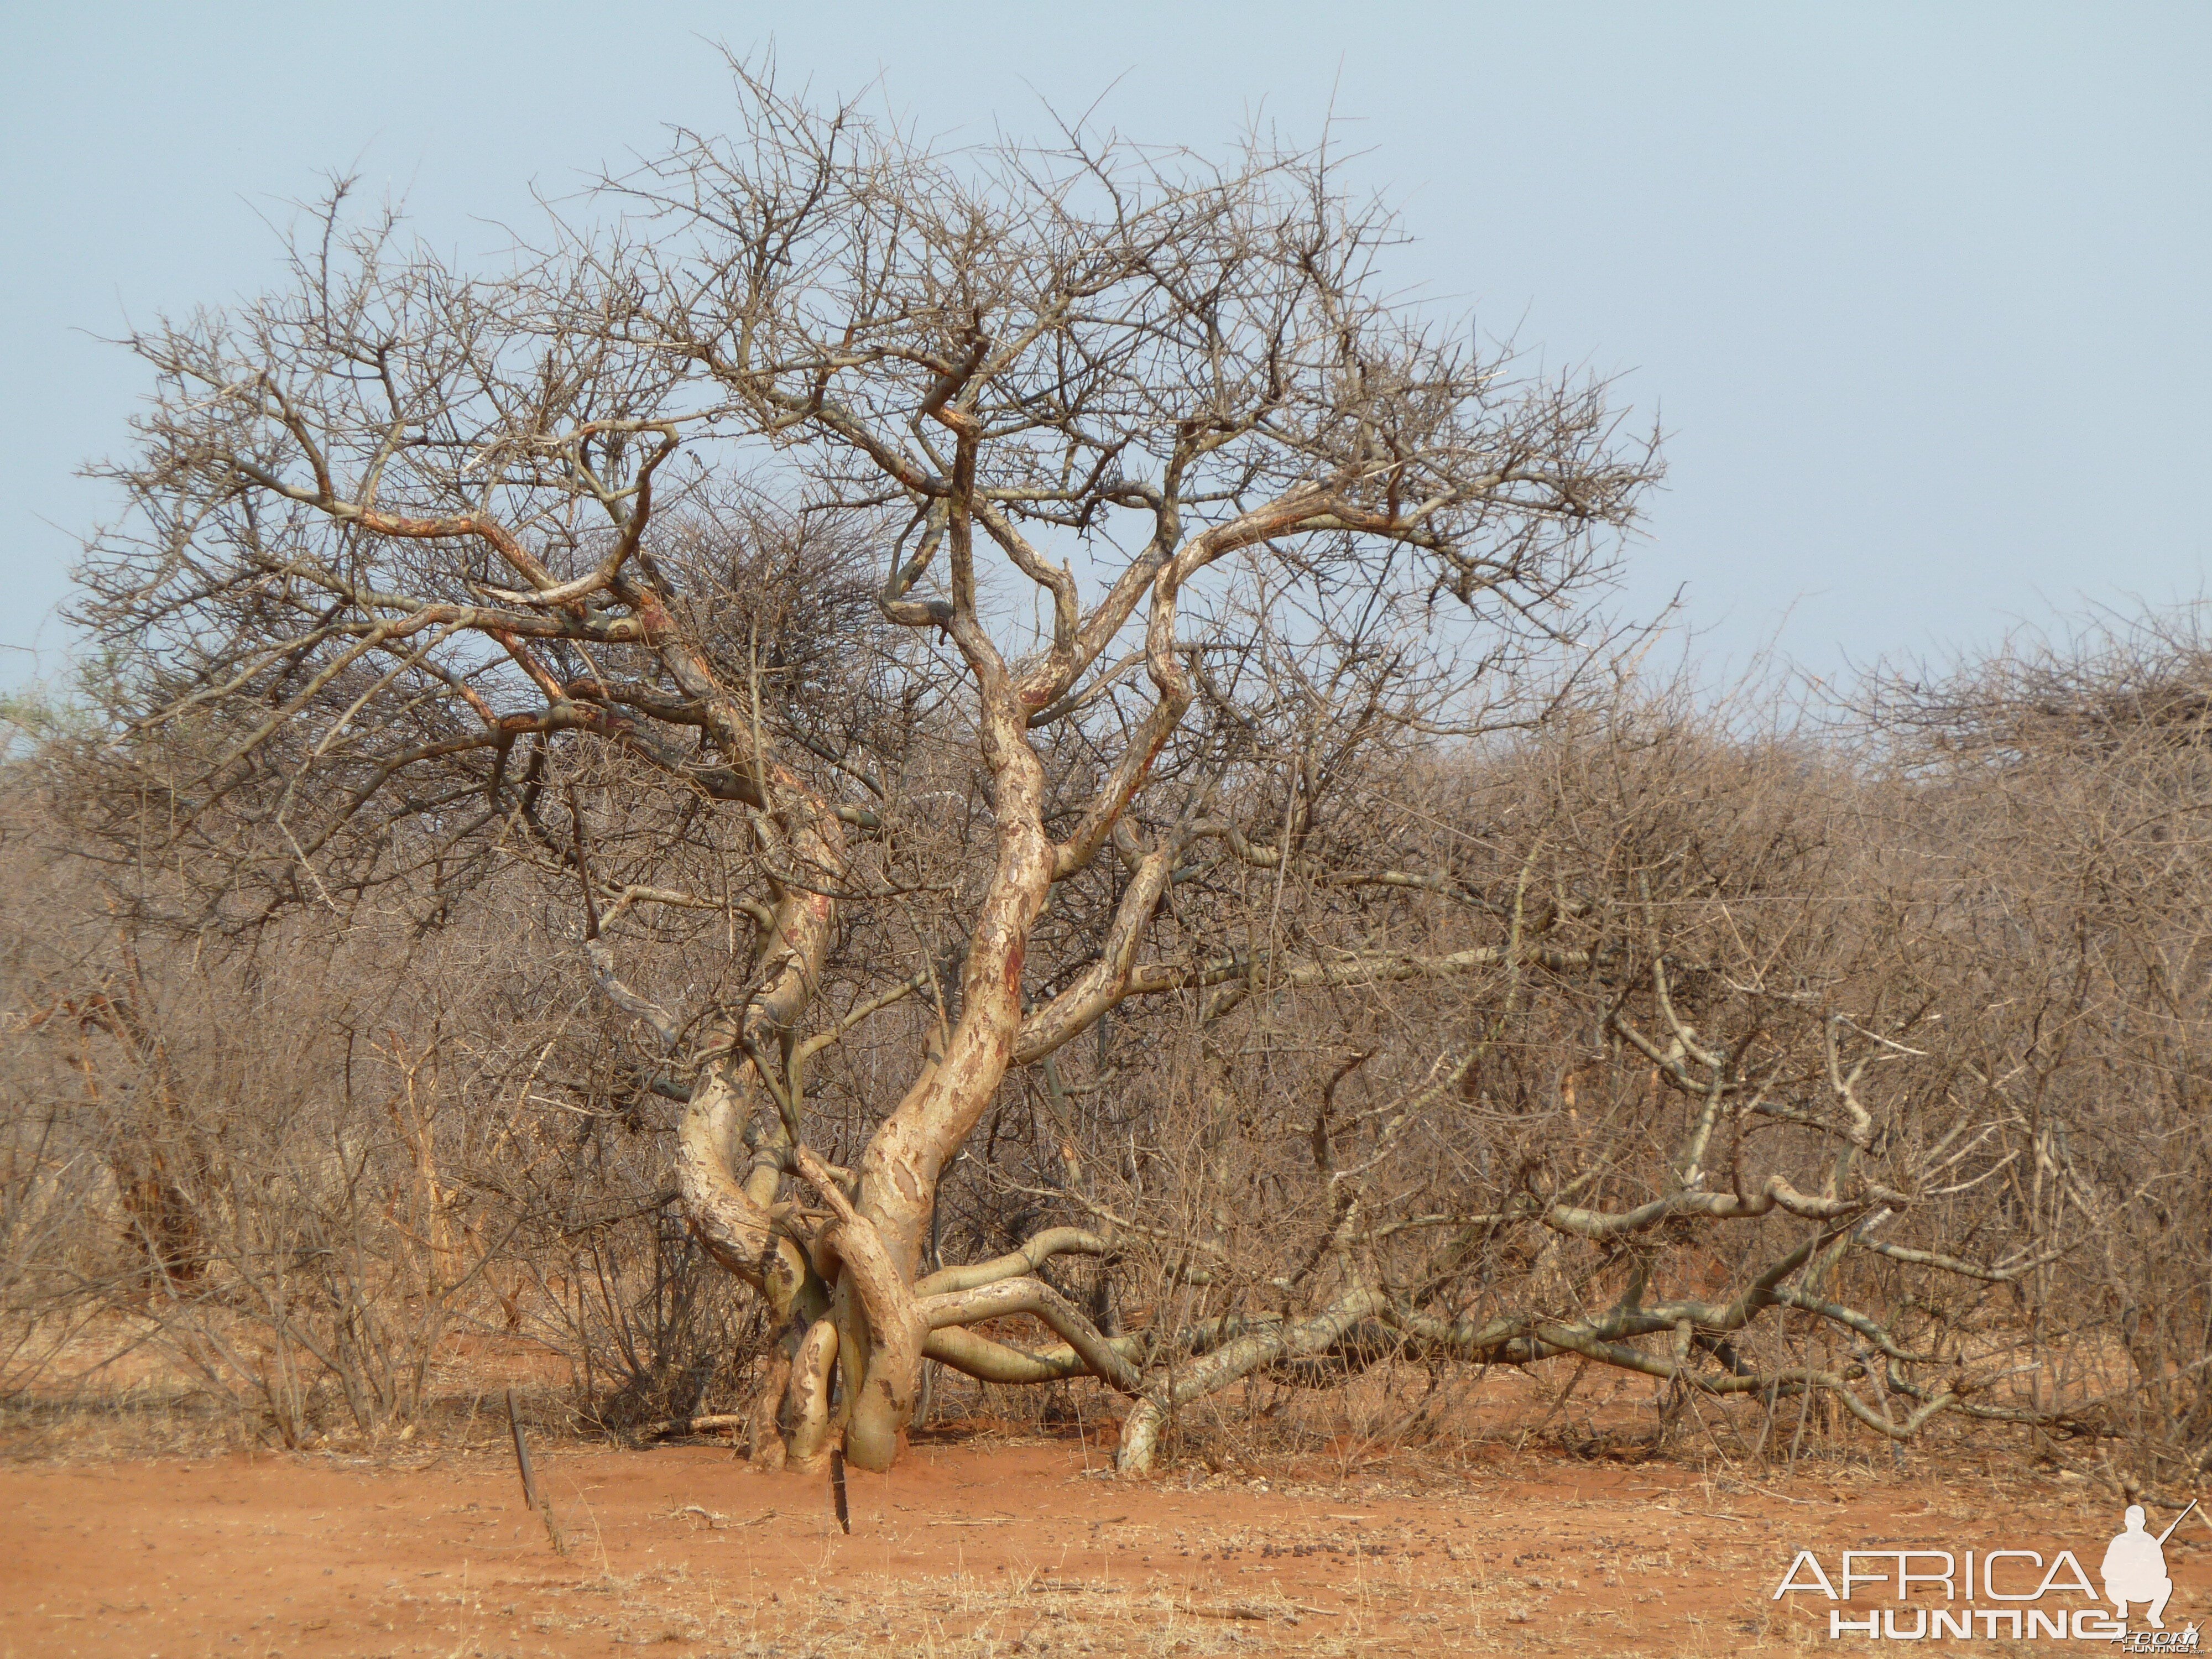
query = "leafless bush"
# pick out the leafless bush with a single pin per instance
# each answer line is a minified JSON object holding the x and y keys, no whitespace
{"x":319,"y":1171}
{"x":1634,"y":1143}
{"x":2060,"y":792}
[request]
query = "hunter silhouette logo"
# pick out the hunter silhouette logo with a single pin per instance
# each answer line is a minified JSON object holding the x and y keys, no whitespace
{"x":2031,"y":1599}
{"x":2135,"y":1566}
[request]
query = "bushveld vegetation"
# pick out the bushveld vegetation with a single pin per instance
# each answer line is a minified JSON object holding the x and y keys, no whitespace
{"x":899,"y":772}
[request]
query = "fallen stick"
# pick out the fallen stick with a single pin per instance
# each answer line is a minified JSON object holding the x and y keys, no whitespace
{"x":531,"y":1495}
{"x":1769,"y":1492}
{"x":1249,"y":1611}
{"x":1231,"y":1610}
{"x":716,"y":1423}
{"x":715,"y":1518}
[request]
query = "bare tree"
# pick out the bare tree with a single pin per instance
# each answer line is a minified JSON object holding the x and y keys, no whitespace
{"x":427,"y":577}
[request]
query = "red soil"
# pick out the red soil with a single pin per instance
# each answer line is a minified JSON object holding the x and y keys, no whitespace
{"x":981,"y":1548}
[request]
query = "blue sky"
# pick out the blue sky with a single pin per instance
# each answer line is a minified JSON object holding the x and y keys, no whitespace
{"x":1919,"y":293}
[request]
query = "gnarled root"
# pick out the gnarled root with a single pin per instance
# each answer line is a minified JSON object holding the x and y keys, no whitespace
{"x":1236,"y":1358}
{"x":881,"y":1389}
{"x":1140,"y":1438}
{"x":1006,"y":1296}
{"x":877,"y":1331}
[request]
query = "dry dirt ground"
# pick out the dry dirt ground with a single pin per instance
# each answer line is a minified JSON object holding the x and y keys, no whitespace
{"x":981,"y":1548}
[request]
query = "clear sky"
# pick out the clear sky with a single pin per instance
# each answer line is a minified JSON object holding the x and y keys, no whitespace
{"x":1919,"y":292}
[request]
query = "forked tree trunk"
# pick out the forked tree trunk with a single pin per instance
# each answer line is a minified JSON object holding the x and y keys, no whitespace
{"x":854,"y":1292}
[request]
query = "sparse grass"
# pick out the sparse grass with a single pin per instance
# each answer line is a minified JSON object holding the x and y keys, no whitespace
{"x":987,"y":1551}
